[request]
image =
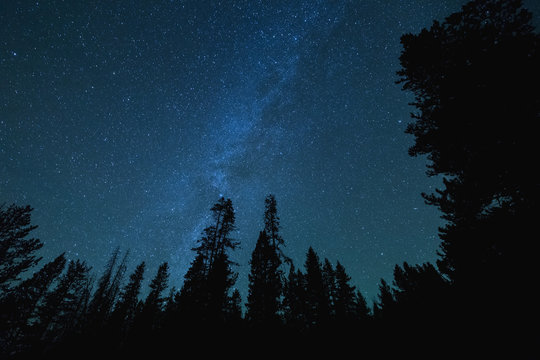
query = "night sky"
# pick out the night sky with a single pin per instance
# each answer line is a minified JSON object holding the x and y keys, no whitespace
{"x":123,"y":122}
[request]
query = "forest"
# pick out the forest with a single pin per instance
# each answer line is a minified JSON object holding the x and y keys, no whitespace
{"x":475,"y":79}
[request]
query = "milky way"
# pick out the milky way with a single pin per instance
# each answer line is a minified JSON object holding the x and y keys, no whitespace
{"x":121,"y":123}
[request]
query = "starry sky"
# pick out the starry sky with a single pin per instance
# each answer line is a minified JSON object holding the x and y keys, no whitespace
{"x":123,"y":122}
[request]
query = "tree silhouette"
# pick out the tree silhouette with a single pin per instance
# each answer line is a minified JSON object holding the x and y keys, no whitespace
{"x":20,"y":306}
{"x":220,"y":281}
{"x":216,"y":238}
{"x":385,"y":306}
{"x":149,"y":317}
{"x":329,"y":285}
{"x":62,"y":308}
{"x":205,"y":293}
{"x":17,"y":251}
{"x":191,"y":299}
{"x":155,"y":300}
{"x":294,"y":300}
{"x":272,"y":227}
{"x":318,"y":313}
{"x":105,"y":296}
{"x":234,"y":310}
{"x":345,"y":298}
{"x":125,"y":310}
{"x":361,"y":310}
{"x":418,"y":285}
{"x":264,"y":284}
{"x":475,"y":78}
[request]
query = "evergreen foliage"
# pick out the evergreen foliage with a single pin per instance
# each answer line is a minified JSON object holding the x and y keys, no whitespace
{"x":205,"y":294}
{"x":475,"y":80}
{"x":126,"y":308}
{"x":17,"y":251}
{"x":264,"y":283}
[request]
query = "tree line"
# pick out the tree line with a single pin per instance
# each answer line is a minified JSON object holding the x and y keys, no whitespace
{"x":475,"y":79}
{"x":63,"y":303}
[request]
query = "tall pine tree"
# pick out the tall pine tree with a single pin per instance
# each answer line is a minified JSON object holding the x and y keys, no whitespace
{"x":153,"y":305}
{"x":272,"y":227}
{"x":62,"y":308}
{"x":125,"y":310}
{"x":205,"y":293}
{"x":264,"y":284}
{"x":20,"y":306}
{"x":295,"y":307}
{"x":106,"y":294}
{"x":344,"y":302}
{"x":318,"y":313}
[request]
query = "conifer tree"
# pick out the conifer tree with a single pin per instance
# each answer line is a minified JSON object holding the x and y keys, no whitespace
{"x":61,"y":307}
{"x":272,"y":228}
{"x":385,"y":307}
{"x":192,"y":297}
{"x":32,"y":291}
{"x":264,"y":283}
{"x":149,"y":319}
{"x":125,"y":309}
{"x":362,"y":311}
{"x":234,"y":312}
{"x":217,"y":238}
{"x":153,"y":305}
{"x":19,"y":308}
{"x":104,"y":297}
{"x":220,"y":281}
{"x":294,"y":300}
{"x":318,"y":312}
{"x":17,"y":251}
{"x":205,"y":292}
{"x":329,"y":282}
{"x":344,"y":303}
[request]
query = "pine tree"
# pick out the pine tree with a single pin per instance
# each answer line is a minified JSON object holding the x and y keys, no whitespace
{"x":220,"y":281}
{"x":205,"y":292}
{"x":19,"y":308}
{"x":265,"y":285}
{"x":125,"y":309}
{"x":216,"y":238}
{"x":317,"y":301}
{"x":344,"y":303}
{"x":153,"y":305}
{"x":294,"y":300}
{"x":362,"y":311}
{"x":385,"y":307}
{"x":329,"y":282}
{"x":234,"y":310}
{"x":272,"y":226}
{"x":192,"y":297}
{"x":61,"y":308}
{"x":33,"y":290}
{"x":17,"y":251}
{"x":105,"y":296}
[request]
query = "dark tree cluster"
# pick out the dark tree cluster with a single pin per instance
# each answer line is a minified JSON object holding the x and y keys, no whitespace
{"x":475,"y":80}
{"x":63,"y":308}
